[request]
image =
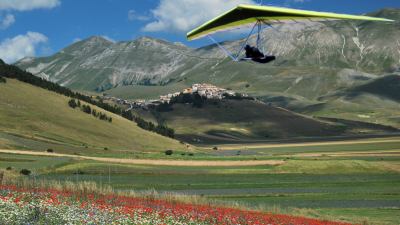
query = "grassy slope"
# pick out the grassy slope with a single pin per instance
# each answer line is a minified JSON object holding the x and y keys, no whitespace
{"x":144,"y":92}
{"x":376,"y":101}
{"x":31,"y":116}
{"x":234,"y":120}
{"x":241,"y":120}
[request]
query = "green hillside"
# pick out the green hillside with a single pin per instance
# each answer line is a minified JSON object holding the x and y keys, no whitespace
{"x":229,"y":121}
{"x":34,"y":118}
{"x":385,"y":87}
{"x":376,"y":101}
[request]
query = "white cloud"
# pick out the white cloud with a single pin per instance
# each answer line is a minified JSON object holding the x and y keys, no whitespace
{"x":21,"y":46}
{"x":133,"y":15}
{"x":183,"y":15}
{"x":24,"y":5}
{"x":7,"y":21}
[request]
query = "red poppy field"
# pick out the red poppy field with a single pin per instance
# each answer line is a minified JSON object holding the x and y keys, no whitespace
{"x":47,"y":206}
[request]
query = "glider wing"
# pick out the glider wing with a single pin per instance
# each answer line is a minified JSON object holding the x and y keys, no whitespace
{"x":244,"y":15}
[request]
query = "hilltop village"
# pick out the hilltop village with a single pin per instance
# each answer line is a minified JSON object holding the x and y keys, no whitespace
{"x":207,"y":91}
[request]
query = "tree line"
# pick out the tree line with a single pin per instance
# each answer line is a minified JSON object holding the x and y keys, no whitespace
{"x":147,"y":125}
{"x":87,"y":109}
{"x":14,"y":72}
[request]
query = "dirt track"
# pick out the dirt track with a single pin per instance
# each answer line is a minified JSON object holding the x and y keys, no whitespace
{"x":154,"y":162}
{"x":390,"y":153}
{"x":254,"y":146}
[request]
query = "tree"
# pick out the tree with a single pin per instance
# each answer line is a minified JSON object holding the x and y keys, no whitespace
{"x":198,"y":101}
{"x":86,"y":109}
{"x":169,"y":152}
{"x":94,"y":113}
{"x":72,"y":103}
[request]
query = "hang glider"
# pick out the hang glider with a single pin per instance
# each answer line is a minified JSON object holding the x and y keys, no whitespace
{"x":258,"y":16}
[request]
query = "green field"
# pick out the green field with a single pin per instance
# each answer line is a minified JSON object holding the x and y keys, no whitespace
{"x":353,"y":188}
{"x":37,"y":119}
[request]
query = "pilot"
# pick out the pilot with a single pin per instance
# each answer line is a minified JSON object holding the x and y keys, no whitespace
{"x":253,"y":52}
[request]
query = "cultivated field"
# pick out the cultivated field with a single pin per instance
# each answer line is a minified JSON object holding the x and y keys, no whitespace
{"x":354,"y":181}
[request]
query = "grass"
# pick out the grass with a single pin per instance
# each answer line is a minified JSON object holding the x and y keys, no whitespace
{"x":144,"y":92}
{"x":234,"y":120}
{"x":275,"y":203}
{"x":33,"y":118}
{"x":391,"y":144}
{"x":349,"y":188}
{"x":366,"y":194}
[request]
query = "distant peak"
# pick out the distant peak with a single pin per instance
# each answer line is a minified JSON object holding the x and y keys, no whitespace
{"x":99,"y":39}
{"x":150,"y":40}
{"x":146,"y":39}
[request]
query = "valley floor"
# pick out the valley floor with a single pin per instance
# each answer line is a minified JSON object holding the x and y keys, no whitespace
{"x":354,"y":181}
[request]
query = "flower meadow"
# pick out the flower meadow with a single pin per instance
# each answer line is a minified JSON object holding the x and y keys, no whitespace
{"x":47,"y":206}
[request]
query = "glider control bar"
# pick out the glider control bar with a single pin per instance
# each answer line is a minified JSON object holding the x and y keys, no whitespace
{"x":247,"y":40}
{"x":235,"y":58}
{"x":227,"y":52}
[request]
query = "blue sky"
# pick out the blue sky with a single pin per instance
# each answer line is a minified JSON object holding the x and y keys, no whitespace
{"x":43,"y":27}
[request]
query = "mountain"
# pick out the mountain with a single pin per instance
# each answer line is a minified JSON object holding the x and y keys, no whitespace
{"x":314,"y":60}
{"x":312,"y":48}
{"x":98,"y":64}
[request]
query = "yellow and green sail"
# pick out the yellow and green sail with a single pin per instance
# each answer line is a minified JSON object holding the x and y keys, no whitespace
{"x":247,"y":14}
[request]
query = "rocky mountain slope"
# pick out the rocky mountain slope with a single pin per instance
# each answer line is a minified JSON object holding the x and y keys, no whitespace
{"x":317,"y":63}
{"x":325,"y":48}
{"x":98,"y":64}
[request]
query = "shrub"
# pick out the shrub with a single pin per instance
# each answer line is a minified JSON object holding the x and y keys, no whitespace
{"x":169,"y":152}
{"x":9,"y":168}
{"x":105,"y":148}
{"x":86,"y":109}
{"x":215,"y":148}
{"x":72,"y":103}
{"x":25,"y":172}
{"x":191,"y":154}
{"x":3,"y":80}
{"x":50,"y":150}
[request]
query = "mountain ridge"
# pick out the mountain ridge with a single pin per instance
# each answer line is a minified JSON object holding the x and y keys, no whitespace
{"x":360,"y":46}
{"x":314,"y":60}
